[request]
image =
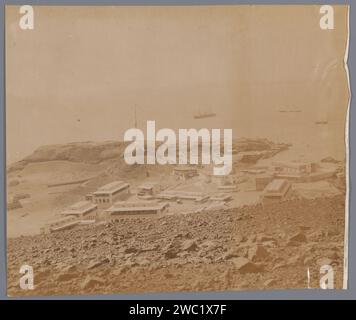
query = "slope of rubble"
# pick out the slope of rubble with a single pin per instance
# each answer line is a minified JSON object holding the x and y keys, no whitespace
{"x":254,"y":247}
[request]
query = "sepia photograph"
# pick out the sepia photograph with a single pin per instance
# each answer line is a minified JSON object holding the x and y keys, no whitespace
{"x":156,"y":149}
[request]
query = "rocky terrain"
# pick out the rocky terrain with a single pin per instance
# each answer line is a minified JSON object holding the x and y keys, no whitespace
{"x":249,"y":248}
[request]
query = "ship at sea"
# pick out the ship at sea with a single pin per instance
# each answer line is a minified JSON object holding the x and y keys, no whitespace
{"x":205,"y":114}
{"x":290,"y":110}
{"x":322,"y":115}
{"x":326,"y":95}
{"x":321,"y":122}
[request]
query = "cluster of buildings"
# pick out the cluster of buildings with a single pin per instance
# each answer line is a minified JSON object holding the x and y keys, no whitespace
{"x":111,"y":201}
{"x":79,"y":213}
{"x":276,"y":182}
{"x":106,"y":203}
{"x":302,"y":171}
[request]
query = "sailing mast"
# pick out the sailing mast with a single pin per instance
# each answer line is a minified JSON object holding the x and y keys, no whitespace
{"x":135,"y":124}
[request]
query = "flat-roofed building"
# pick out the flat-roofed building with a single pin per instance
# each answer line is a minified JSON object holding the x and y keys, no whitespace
{"x":185,"y":172}
{"x":89,"y":197}
{"x":262,"y":181}
{"x":228,"y":188}
{"x":82,"y":210}
{"x":128,"y":208}
{"x":148,"y":189}
{"x":221,"y":197}
{"x":276,"y":190}
{"x":222,"y":180}
{"x":249,"y":156}
{"x":111,"y":192}
{"x":60,"y":224}
{"x":183,"y":195}
{"x":290,"y":170}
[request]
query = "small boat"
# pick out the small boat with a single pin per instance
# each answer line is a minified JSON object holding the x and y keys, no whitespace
{"x":290,"y":110}
{"x":322,"y":115}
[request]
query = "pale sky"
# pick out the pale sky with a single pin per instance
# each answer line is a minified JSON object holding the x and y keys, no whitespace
{"x":80,"y":72}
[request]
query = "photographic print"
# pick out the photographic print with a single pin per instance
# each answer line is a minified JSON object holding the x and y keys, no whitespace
{"x":156,"y":149}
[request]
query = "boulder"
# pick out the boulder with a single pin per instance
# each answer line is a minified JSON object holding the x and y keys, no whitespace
{"x":298,"y":237}
{"x":63,"y":277}
{"x":189,"y":245}
{"x":257,"y":253}
{"x":230,"y":254}
{"x":96,"y":263}
{"x":91,"y":282}
{"x":244,"y":265}
{"x":170,"y":253}
{"x":269,"y":283}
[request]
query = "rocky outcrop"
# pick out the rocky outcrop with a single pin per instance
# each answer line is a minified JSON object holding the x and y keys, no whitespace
{"x":97,"y":152}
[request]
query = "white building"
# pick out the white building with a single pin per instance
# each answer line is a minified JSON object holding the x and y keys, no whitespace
{"x":109,"y":193}
{"x":60,"y":224}
{"x":148,"y":189}
{"x":185,"y":172}
{"x":276,"y":190}
{"x":82,"y":210}
{"x":127,"y":208}
{"x":183,"y":195}
{"x":292,"y":169}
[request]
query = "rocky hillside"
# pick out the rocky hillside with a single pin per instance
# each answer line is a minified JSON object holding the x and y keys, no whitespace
{"x":253,"y":247}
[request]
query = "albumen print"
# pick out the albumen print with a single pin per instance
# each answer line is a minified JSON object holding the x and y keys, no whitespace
{"x":176,"y":148}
